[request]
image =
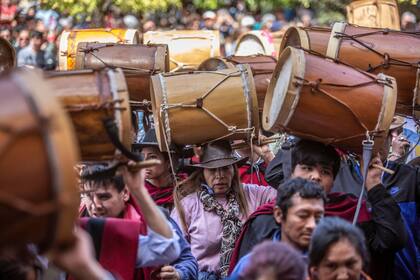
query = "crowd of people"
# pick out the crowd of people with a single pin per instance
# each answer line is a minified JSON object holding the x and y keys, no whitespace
{"x":216,"y":212}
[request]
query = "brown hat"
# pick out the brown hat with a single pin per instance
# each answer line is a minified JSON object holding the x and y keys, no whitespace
{"x":397,"y":122}
{"x":218,"y":154}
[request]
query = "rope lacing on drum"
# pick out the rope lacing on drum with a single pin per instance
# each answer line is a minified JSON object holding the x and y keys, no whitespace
{"x":316,"y":86}
{"x":199,"y":103}
{"x":388,"y":60}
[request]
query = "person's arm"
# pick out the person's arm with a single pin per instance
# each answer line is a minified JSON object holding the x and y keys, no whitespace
{"x":386,"y":231}
{"x":154,"y":218}
{"x":79,"y":261}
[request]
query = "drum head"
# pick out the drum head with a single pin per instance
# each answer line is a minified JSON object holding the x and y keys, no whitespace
{"x":249,"y":45}
{"x":7,"y":55}
{"x":282,"y":95}
{"x":213,"y":64}
{"x":294,"y":37}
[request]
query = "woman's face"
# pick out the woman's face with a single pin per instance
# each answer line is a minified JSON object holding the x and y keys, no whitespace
{"x":156,"y":171}
{"x":341,"y":262}
{"x":219,"y":179}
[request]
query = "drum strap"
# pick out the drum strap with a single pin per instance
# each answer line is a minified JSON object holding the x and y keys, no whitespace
{"x":388,"y":60}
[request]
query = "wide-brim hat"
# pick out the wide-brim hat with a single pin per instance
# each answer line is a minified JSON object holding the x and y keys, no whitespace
{"x":150,"y":140}
{"x":397,"y":122}
{"x":218,"y":154}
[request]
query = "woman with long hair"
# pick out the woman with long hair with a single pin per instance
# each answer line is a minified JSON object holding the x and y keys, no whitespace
{"x":212,"y":205}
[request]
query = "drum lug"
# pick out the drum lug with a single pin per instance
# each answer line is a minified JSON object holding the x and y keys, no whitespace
{"x":199,"y":102}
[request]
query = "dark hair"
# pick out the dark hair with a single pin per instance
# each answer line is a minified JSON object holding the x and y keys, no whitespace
{"x":37,"y":34}
{"x":305,"y":189}
{"x":16,"y":264}
{"x":101,"y":175}
{"x":331,"y":230}
{"x":312,"y":153}
{"x":276,"y":258}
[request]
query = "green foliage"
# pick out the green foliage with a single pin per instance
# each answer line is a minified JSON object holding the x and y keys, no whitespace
{"x":75,"y":7}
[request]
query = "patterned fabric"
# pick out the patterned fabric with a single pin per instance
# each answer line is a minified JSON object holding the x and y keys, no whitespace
{"x":231,"y":224}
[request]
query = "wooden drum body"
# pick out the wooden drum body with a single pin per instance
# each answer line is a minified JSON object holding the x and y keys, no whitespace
{"x":374,"y":13}
{"x":187,"y":48}
{"x":310,"y":38}
{"x":7,"y":55}
{"x":38,"y":186}
{"x":90,"y":97}
{"x":198,"y":107}
{"x":315,"y":98}
{"x":70,"y":39}
{"x":262,"y":67}
{"x":138,"y":63}
{"x":393,"y":53}
{"x":254,"y":43}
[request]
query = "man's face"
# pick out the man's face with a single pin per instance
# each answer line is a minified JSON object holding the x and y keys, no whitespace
{"x":321,"y":174}
{"x":300,"y":221}
{"x":104,"y":201}
{"x":36,"y":43}
{"x":219,"y":179}
{"x":155,"y":171}
{"x":23,"y":39}
{"x":341,"y":262}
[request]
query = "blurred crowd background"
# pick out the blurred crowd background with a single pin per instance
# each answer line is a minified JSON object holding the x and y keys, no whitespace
{"x":34,"y":27}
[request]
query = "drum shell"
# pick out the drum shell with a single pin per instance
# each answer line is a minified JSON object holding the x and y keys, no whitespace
{"x":70,"y":39}
{"x":37,"y":164}
{"x":262,"y":67}
{"x":187,"y":48}
{"x":138,"y":62}
{"x":353,"y":53}
{"x":310,"y":38}
{"x":331,"y":118}
{"x":374,"y":13}
{"x":7,"y":55}
{"x":264,"y":39}
{"x":88,"y":97}
{"x":193,"y":125}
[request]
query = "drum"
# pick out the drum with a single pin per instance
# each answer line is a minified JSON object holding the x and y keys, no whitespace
{"x":91,"y":98}
{"x":376,"y":51}
{"x":374,"y":13}
{"x":315,"y":98}
{"x":138,"y":63}
{"x":255,"y":42}
{"x":310,"y":38}
{"x":262,"y":67}
{"x":7,"y":55}
{"x":187,"y":48}
{"x":70,"y":39}
{"x":199,"y":107}
{"x":39,"y":197}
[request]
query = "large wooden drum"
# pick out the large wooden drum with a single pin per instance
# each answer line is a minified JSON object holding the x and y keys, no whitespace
{"x":315,"y":98}
{"x":70,"y":39}
{"x":254,"y":43}
{"x":374,"y":13}
{"x":38,"y":187}
{"x":393,"y":53}
{"x":198,"y":107}
{"x":187,"y":48}
{"x":262,"y":67}
{"x":7,"y":55}
{"x":310,"y":38}
{"x":91,"y":98}
{"x":138,"y":63}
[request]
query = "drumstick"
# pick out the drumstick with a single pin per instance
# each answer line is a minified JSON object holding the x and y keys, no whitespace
{"x":384,"y":169}
{"x":133,"y":167}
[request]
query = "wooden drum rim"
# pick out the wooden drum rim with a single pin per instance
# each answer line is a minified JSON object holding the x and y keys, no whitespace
{"x":119,"y":91}
{"x":389,"y":103}
{"x":302,"y":34}
{"x":268,"y":49}
{"x":226,"y":64}
{"x":63,"y":48}
{"x":334,"y":42}
{"x":292,"y":94}
{"x":63,"y":154}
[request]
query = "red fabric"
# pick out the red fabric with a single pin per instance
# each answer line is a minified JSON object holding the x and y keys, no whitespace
{"x":162,"y":196}
{"x":119,"y":246}
{"x":339,"y":205}
{"x":247,"y":177}
{"x":7,"y":13}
